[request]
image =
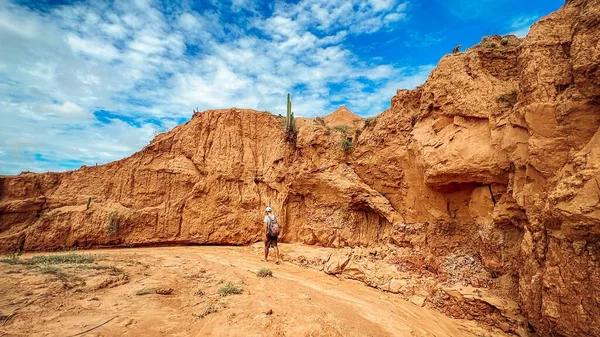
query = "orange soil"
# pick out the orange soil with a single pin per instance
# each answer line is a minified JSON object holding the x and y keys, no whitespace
{"x":304,"y":302}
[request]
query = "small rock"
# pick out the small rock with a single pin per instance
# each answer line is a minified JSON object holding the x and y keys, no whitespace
{"x":418,"y":300}
{"x":268,"y":312}
{"x":579,"y":246}
{"x":164,"y":291}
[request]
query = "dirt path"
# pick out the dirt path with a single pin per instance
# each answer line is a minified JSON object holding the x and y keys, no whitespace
{"x":66,"y":299}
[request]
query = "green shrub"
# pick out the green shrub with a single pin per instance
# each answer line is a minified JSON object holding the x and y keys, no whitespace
{"x":264,"y":272}
{"x":56,"y":272}
{"x":509,"y":99}
{"x":229,"y":289}
{"x":341,"y":129}
{"x":212,"y":308}
{"x":49,"y":259}
{"x":56,"y":259}
{"x":209,"y":308}
{"x":13,"y":258}
{"x":347,"y":144}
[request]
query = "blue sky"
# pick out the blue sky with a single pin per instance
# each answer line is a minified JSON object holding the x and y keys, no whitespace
{"x":88,"y":82}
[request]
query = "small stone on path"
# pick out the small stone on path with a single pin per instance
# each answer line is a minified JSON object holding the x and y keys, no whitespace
{"x":164,"y":291}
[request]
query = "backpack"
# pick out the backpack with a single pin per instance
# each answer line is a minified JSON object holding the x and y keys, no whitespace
{"x":274,"y":229}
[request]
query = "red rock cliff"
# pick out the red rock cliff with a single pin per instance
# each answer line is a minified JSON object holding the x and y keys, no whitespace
{"x":496,"y":156}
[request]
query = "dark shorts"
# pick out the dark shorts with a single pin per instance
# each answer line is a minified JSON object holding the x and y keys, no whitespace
{"x":270,"y":241}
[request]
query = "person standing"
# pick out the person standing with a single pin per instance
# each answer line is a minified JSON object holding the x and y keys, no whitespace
{"x":272,"y":232}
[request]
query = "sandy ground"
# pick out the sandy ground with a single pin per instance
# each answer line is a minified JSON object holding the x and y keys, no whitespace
{"x":66,"y":299}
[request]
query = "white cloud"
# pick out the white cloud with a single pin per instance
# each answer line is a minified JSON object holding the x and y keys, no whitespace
{"x":68,"y":110}
{"x":520,"y":26}
{"x":148,"y":66}
{"x":105,"y":52}
{"x":355,"y":16}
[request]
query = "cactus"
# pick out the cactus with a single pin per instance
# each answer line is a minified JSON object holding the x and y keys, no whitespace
{"x":290,"y":122}
{"x":293,"y":122}
{"x":289,"y":114}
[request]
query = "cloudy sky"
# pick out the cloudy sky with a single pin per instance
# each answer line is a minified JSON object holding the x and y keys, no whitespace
{"x":88,"y":82}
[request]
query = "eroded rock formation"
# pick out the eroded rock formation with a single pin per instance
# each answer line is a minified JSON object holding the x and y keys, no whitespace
{"x":486,"y":176}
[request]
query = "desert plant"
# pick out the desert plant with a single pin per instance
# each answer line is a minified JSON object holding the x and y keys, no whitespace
{"x":230,"y":289}
{"x":264,"y":272}
{"x":509,"y":99}
{"x":12,"y":258}
{"x":66,"y":258}
{"x":49,"y":259}
{"x":456,"y":50}
{"x":291,"y":133}
{"x":59,"y":274}
{"x":341,"y":129}
{"x":88,"y":203}
{"x":347,"y":144}
{"x":211,"y":308}
{"x":357,"y":133}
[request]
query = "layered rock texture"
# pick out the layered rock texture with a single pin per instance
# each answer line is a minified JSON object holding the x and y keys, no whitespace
{"x":486,"y":177}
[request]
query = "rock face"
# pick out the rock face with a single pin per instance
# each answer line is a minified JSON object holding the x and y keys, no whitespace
{"x":486,"y":176}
